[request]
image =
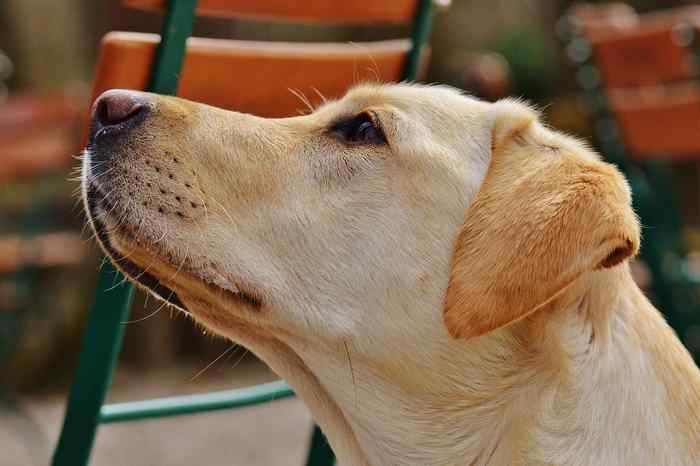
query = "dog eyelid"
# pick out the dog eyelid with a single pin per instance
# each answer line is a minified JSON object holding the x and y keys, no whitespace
{"x":363,"y":128}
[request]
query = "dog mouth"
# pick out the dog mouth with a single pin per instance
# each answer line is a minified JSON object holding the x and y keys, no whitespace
{"x":214,"y":283}
{"x":133,"y":271}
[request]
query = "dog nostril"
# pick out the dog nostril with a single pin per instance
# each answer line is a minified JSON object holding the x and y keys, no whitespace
{"x":116,"y":107}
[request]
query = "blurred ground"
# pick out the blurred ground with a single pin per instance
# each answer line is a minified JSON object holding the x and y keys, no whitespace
{"x":269,"y":435}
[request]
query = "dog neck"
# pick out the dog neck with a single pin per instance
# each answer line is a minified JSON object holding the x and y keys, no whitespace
{"x":556,"y":388}
{"x":612,"y":362}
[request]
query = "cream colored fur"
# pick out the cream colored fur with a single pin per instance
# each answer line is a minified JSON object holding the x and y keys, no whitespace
{"x":542,"y":350}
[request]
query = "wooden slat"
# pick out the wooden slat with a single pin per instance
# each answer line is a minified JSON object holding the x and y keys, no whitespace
{"x":638,"y":50}
{"x":645,"y":56}
{"x":595,"y":20}
{"x":38,"y":135}
{"x":602,"y":21}
{"x":252,"y":77}
{"x":327,"y":11}
{"x":659,"y":122}
{"x":38,"y":152}
{"x":46,"y":250}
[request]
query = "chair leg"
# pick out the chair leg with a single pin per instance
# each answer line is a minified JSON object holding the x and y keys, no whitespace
{"x":422,"y":25}
{"x":320,"y":453}
{"x":100,"y":347}
{"x":102,"y":339}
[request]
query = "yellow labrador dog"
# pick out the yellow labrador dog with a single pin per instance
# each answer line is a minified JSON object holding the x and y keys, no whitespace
{"x":443,"y":281}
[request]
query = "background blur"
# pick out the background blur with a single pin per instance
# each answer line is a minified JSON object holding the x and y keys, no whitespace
{"x":48,"y":50}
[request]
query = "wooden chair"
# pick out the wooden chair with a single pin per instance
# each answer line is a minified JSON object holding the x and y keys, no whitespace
{"x":641,"y":77}
{"x":251,"y":77}
{"x":37,"y":141}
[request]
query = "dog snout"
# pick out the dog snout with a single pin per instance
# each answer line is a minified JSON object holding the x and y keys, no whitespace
{"x":116,"y":112}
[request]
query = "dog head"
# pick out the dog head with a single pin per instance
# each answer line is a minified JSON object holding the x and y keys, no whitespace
{"x":326,"y":242}
{"x":303,"y":223}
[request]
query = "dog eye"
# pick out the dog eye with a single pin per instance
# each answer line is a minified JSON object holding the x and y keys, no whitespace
{"x":361,"y":129}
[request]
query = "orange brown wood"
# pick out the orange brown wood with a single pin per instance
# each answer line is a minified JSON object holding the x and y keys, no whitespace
{"x":645,"y":56}
{"x":253,"y":77}
{"x":595,"y":20}
{"x":328,"y":11}
{"x":659,"y":122}
{"x":38,"y":135}
{"x":604,"y":20}
{"x":46,"y":250}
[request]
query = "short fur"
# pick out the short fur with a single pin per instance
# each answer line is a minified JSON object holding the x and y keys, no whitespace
{"x":474,"y":221}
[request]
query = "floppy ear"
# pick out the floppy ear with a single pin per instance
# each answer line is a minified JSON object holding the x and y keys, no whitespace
{"x":548,"y":211}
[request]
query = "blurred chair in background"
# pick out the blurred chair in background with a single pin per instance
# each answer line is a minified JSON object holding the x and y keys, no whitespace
{"x":486,"y":75}
{"x":641,"y":77}
{"x":266,"y":79}
{"x":5,"y":73}
{"x":38,"y":137}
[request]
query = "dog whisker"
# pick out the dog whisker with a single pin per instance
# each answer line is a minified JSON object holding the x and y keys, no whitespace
{"x":238,"y":361}
{"x":300,"y":95}
{"x":224,"y":209}
{"x":319,"y":94}
{"x":136,"y":321}
{"x":228,"y":350}
{"x":352,"y":370}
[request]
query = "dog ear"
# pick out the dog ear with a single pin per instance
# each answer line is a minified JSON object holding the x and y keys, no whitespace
{"x":548,"y":211}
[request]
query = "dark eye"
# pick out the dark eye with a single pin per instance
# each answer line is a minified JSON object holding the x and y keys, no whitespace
{"x":360,"y":129}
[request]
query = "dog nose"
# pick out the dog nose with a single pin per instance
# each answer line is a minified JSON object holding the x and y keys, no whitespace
{"x":116,"y":111}
{"x":116,"y":106}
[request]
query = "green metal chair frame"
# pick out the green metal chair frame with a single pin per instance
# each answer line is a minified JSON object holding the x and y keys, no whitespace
{"x":674,"y":288}
{"x":102,"y":339}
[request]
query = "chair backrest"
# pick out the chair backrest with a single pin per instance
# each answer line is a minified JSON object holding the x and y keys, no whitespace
{"x":253,"y":77}
{"x":327,"y":11}
{"x":649,"y":70}
{"x":264,"y":78}
{"x":659,"y":122}
{"x":38,"y":135}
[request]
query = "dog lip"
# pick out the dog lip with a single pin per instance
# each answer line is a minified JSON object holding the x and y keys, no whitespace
{"x":215,"y":281}
{"x":129,"y":268}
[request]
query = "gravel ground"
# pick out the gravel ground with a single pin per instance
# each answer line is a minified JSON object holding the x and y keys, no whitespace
{"x":268,"y":435}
